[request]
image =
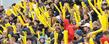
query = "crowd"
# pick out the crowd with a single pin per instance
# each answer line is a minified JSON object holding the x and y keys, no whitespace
{"x":55,"y":22}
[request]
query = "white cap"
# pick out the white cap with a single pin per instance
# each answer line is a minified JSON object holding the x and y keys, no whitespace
{"x":58,"y":17}
{"x":86,"y":24}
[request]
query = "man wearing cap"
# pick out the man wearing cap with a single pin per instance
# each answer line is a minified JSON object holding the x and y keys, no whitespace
{"x":79,"y":38}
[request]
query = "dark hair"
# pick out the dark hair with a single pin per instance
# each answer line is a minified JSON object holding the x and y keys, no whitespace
{"x":21,"y":9}
{"x":31,"y":23}
{"x":1,"y":28}
{"x":43,"y":0}
{"x":13,"y":4}
{"x":107,"y":8}
{"x":106,"y":33}
{"x":37,"y":21}
{"x":41,"y":26}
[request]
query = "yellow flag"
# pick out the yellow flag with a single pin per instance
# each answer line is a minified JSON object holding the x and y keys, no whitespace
{"x":104,"y":22}
{"x":31,"y":29}
{"x":45,"y":8}
{"x":47,"y":17}
{"x":32,"y":15}
{"x":42,"y":8}
{"x":41,"y":17}
{"x":43,"y":32}
{"x":24,"y":3}
{"x":99,"y":4}
{"x":7,"y":24}
{"x":1,"y":32}
{"x":68,"y":7}
{"x":13,"y":12}
{"x":21,"y":20}
{"x":91,"y":41}
{"x":26,"y":24}
{"x":83,"y":5}
{"x":24,"y":7}
{"x":75,"y":15}
{"x":46,"y":14}
{"x":24,"y":38}
{"x":20,"y":4}
{"x":60,"y":3}
{"x":55,"y":37}
{"x":99,"y":15}
{"x":65,"y":37}
{"x":23,"y":16}
{"x":63,"y":13}
{"x":102,"y":18}
{"x":91,"y":24}
{"x":4,"y":28}
{"x":77,"y":12}
{"x":107,"y":2}
{"x":94,"y":33}
{"x":91,"y":27}
{"x":14,"y":29}
{"x":38,"y":34}
{"x":95,"y":1}
{"x":41,"y":20}
{"x":45,"y":21}
{"x":48,"y":40}
{"x":37,"y":11}
{"x":9,"y":36}
{"x":8,"y":12}
{"x":4,"y":41}
{"x":29,"y":14}
{"x":57,"y":8}
{"x":31,"y":6}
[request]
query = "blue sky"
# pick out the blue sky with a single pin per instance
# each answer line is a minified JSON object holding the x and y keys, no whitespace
{"x":8,"y":3}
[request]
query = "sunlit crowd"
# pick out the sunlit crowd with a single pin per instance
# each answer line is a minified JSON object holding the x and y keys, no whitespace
{"x":55,"y":22}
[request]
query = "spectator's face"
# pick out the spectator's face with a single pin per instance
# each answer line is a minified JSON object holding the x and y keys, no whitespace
{"x":96,"y":24}
{"x":85,"y":17}
{"x":76,"y":35}
{"x":10,"y":18}
{"x":42,"y":40}
{"x":86,"y":29}
{"x":50,"y":12}
{"x":57,"y":27}
{"x":4,"y":33}
{"x":56,"y":1}
{"x":12,"y":40}
{"x":28,"y":20}
{"x":0,"y":8}
{"x":35,"y":23}
{"x":6,"y":20}
{"x":18,"y":26}
{"x":0,"y":36}
{"x":28,"y":41}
